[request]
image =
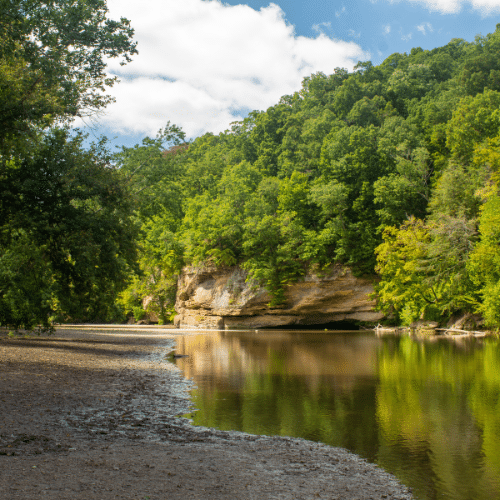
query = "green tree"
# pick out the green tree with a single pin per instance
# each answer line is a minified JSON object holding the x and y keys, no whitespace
{"x":484,"y":263}
{"x":456,"y":192}
{"x":64,"y":216}
{"x":53,"y":62}
{"x":153,"y":287}
{"x":423,"y":269}
{"x":272,"y":248}
{"x":213,"y":226}
{"x":154,"y":172}
{"x":405,"y":191}
{"x":474,"y":120}
{"x":369,"y":111}
{"x":352,"y":158}
{"x":402,"y":288}
{"x":482,"y":69}
{"x":66,"y":225}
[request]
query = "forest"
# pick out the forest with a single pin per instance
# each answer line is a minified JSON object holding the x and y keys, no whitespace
{"x":391,"y":170}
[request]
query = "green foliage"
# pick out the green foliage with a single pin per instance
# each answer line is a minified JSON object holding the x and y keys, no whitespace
{"x":293,"y":197}
{"x":474,"y":120}
{"x":154,"y":174}
{"x":317,"y":178}
{"x":271,"y":248}
{"x":153,"y":288}
{"x":412,"y":82}
{"x":456,"y":192}
{"x":139,"y":313}
{"x":423,"y":269}
{"x":484,"y":263}
{"x":66,"y":234}
{"x":456,"y":260}
{"x":402,"y":289}
{"x":405,"y":191}
{"x":482,"y":69}
{"x":27,"y":285}
{"x":388,"y":168}
{"x":53,"y":62}
{"x":66,"y":237}
{"x":368,"y":111}
{"x":217,"y":223}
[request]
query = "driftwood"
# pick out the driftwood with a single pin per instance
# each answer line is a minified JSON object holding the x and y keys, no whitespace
{"x":448,"y":332}
{"x":470,"y":333}
{"x":391,"y":329}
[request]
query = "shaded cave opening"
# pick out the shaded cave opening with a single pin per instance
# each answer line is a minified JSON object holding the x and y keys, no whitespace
{"x":345,"y":325}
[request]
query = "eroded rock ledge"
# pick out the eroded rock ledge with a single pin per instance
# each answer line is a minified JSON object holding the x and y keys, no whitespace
{"x":218,"y":298}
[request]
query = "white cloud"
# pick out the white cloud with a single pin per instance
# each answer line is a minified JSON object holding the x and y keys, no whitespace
{"x":424,"y":28}
{"x":319,"y":28}
{"x":338,"y":13}
{"x":353,"y":34}
{"x":201,"y":61}
{"x":486,"y":7}
{"x":443,"y":6}
{"x":387,"y":29}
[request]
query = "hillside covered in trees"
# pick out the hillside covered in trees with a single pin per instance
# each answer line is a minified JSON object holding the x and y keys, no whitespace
{"x":392,"y":170}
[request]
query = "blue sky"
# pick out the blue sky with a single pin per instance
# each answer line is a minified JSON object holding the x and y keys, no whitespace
{"x":383,"y":27}
{"x":204,"y":63}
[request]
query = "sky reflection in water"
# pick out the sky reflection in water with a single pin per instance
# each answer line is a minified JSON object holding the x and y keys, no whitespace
{"x":427,"y":411}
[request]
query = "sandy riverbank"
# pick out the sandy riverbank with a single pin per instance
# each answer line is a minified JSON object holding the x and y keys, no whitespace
{"x":94,"y":415}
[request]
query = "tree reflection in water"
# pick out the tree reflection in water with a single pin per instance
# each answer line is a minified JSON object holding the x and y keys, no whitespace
{"x":427,"y":411}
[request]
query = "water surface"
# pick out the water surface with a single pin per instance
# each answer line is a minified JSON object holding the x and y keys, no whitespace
{"x":427,"y":411}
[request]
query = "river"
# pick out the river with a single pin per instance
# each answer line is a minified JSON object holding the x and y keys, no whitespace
{"x":425,"y":410}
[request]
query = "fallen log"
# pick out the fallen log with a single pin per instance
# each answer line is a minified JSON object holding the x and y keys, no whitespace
{"x":448,"y":331}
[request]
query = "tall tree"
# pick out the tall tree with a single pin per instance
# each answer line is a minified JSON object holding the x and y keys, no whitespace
{"x":53,"y":60}
{"x":65,"y":236}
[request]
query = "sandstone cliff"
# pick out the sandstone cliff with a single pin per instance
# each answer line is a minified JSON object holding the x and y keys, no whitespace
{"x":210,"y":297}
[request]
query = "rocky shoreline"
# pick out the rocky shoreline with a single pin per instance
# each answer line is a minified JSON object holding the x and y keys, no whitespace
{"x":96,"y":415}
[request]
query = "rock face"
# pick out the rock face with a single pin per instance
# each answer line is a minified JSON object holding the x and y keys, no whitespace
{"x":218,"y":298}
